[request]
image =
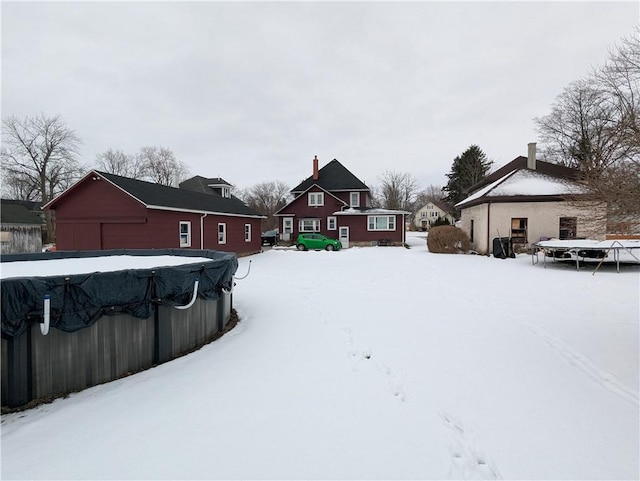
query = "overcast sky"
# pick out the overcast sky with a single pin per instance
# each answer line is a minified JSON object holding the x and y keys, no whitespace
{"x":252,"y":91}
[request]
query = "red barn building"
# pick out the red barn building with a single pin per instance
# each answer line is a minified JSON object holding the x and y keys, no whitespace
{"x":106,"y":211}
{"x":334,"y":202}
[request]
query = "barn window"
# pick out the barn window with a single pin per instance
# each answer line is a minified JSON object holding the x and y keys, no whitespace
{"x":247,"y":232}
{"x":185,"y":234}
{"x":382,"y":222}
{"x":222,"y":233}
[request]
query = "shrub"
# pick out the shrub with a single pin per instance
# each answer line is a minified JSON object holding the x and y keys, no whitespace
{"x":447,"y":239}
{"x":441,"y":221}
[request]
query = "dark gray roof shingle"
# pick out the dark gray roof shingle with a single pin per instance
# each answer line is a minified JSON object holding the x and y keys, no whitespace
{"x":333,"y":177}
{"x":201,"y":184}
{"x":17,"y":214}
{"x":172,"y":197}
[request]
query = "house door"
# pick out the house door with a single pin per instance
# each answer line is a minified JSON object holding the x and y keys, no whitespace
{"x":344,"y":236}
{"x":287,"y":228}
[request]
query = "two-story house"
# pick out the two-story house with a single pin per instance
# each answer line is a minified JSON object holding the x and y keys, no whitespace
{"x":431,"y":212}
{"x":334,"y":202}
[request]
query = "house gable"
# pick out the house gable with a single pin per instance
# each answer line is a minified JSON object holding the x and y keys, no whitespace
{"x":300,"y":205}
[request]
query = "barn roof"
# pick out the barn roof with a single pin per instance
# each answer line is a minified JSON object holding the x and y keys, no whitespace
{"x":171,"y":198}
{"x":333,"y":177}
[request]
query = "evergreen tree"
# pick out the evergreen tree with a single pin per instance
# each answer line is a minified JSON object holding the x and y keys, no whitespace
{"x":468,"y":169}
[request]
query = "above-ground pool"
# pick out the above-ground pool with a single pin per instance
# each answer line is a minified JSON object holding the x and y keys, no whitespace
{"x":75,"y":319}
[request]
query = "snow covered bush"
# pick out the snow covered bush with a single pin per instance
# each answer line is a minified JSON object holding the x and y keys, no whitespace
{"x":447,"y":239}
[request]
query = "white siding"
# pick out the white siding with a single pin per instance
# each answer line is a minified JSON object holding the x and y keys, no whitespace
{"x":543,"y":221}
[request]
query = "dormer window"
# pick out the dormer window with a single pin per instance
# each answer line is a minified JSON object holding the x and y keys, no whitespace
{"x":222,"y":189}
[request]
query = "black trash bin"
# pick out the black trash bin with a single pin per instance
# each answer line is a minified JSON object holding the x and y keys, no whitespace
{"x":502,"y":247}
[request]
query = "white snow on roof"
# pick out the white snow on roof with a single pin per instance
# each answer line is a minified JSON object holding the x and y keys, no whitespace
{"x":526,"y":182}
{"x":484,"y":190}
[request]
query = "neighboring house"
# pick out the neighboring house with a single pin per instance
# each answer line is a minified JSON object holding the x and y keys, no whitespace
{"x":106,"y":211}
{"x":204,"y":185}
{"x":433,"y":210}
{"x":528,"y":200}
{"x":20,"y":229}
{"x":334,"y":202}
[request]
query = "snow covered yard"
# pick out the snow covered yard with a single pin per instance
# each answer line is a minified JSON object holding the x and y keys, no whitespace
{"x":372,"y":363}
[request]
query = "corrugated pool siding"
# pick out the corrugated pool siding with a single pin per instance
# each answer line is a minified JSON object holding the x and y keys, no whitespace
{"x":36,"y":366}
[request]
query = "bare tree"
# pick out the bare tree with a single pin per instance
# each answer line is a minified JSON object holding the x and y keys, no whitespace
{"x":16,"y":185}
{"x":266,"y":198}
{"x":583,"y":129}
{"x":160,"y":165}
{"x":431,"y":193}
{"x":118,"y":163}
{"x":620,"y":78}
{"x":39,"y":156}
{"x":594,"y":126}
{"x":398,"y":190}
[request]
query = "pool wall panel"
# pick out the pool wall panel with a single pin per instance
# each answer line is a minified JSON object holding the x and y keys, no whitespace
{"x":35,"y":366}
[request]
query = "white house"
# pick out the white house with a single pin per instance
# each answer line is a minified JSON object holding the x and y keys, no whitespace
{"x":429,"y":213}
{"x":528,"y":200}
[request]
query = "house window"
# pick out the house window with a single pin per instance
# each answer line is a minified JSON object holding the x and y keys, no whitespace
{"x":222,"y":233}
{"x":382,"y":222}
{"x":309,"y":225}
{"x":247,"y":232}
{"x":316,"y":198}
{"x":519,"y":230}
{"x":185,"y":234}
{"x":568,"y":227}
{"x":423,"y":214}
{"x":331,"y":223}
{"x":355,"y":199}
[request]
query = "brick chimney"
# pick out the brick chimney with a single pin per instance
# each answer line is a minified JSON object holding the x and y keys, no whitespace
{"x":531,"y":156}
{"x":315,"y":167}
